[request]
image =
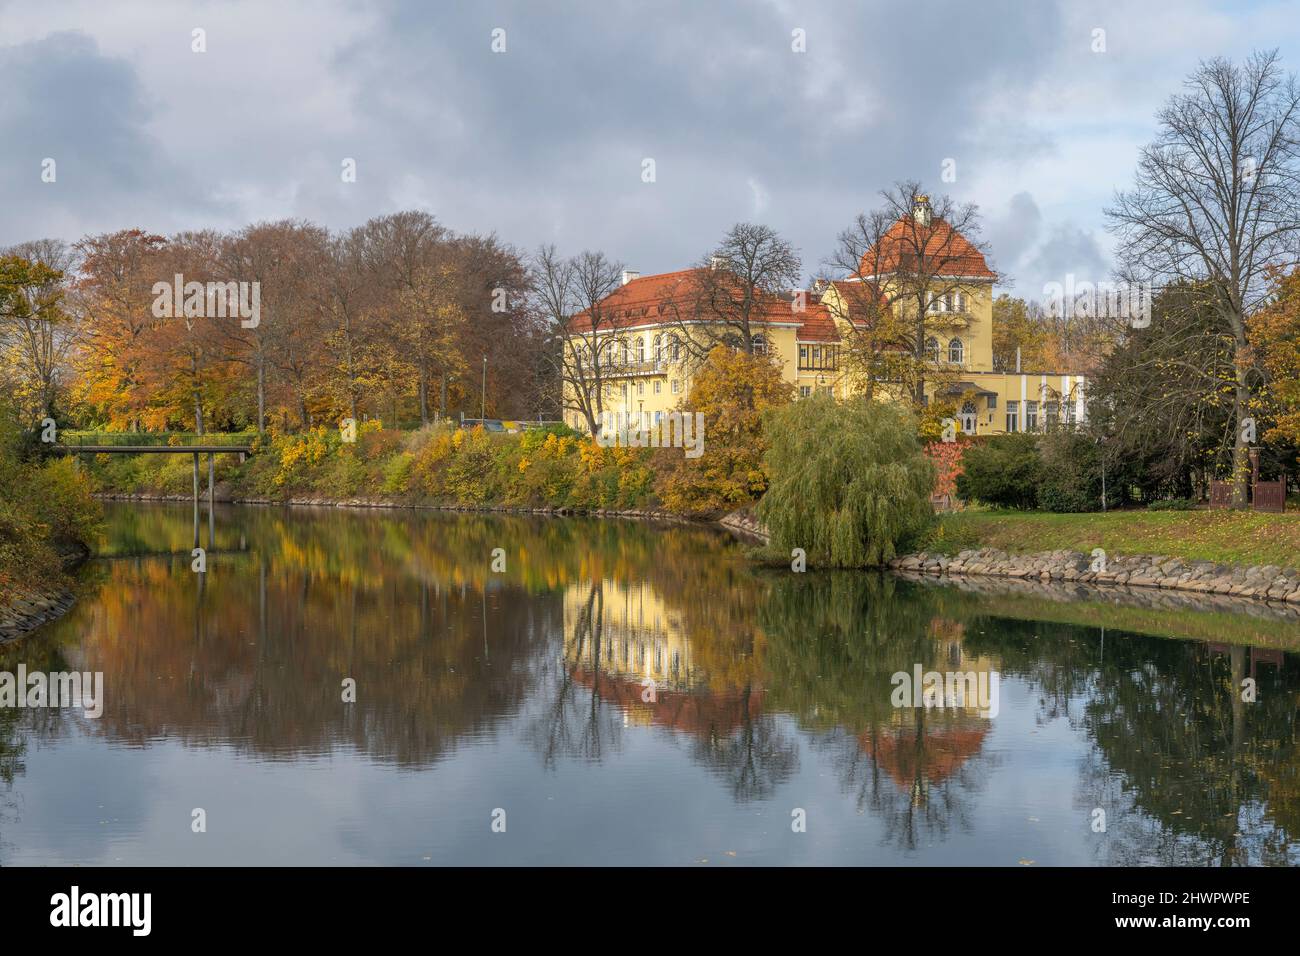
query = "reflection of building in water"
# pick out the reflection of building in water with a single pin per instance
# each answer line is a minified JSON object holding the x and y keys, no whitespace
{"x":924,"y":746}
{"x":633,"y":652}
{"x":635,"y":635}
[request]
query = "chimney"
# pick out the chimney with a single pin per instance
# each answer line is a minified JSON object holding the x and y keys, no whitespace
{"x":629,"y":275}
{"x":921,"y":210}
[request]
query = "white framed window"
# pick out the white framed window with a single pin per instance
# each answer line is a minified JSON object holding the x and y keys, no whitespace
{"x":640,"y":388}
{"x":968,"y":416}
{"x":640,"y":349}
{"x":677,"y":386}
{"x":759,"y":344}
{"x":956,"y":352}
{"x":625,"y":389}
{"x":932,"y":349}
{"x":1031,"y":416}
{"x":805,"y":391}
{"x":1013,"y":416}
{"x":658,"y":385}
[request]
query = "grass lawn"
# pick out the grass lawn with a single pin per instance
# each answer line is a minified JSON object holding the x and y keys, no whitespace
{"x":1235,"y":537}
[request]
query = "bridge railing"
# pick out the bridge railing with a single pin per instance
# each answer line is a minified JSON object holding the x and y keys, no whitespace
{"x":81,"y":439}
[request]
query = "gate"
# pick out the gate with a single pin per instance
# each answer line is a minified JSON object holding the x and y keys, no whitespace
{"x":1270,"y":496}
{"x":1220,"y":494}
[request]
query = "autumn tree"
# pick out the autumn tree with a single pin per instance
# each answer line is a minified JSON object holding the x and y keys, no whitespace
{"x":733,"y":390}
{"x":36,"y":332}
{"x":113,"y":298}
{"x":1275,"y":338}
{"x":1216,"y":204}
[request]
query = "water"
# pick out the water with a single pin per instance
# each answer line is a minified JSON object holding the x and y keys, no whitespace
{"x":626,"y":694}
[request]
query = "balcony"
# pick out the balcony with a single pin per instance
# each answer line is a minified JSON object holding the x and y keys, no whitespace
{"x":633,"y":369}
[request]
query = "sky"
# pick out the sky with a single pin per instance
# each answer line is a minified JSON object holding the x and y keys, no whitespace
{"x":541,"y":133}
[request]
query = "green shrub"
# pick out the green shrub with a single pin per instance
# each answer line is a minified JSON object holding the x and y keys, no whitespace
{"x":41,"y":502}
{"x":849,"y":483}
{"x":1003,"y":470}
{"x":1172,"y":504}
{"x":397,"y":473}
{"x":1070,"y":473}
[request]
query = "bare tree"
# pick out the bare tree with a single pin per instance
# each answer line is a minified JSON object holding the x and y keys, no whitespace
{"x":907,"y":265}
{"x":570,"y":295}
{"x":736,"y":290}
{"x":1216,"y":204}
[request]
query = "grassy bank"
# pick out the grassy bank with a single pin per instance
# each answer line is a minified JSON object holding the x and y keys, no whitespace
{"x":1231,"y":537}
{"x":435,"y":465}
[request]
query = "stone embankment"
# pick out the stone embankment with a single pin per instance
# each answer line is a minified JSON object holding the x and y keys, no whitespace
{"x":1267,"y":582}
{"x":28,"y":609}
{"x":23,"y":609}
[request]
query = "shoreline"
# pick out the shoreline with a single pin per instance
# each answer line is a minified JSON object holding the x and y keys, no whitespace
{"x":641,"y":514}
{"x":29,"y":608}
{"x":1268,"y":583}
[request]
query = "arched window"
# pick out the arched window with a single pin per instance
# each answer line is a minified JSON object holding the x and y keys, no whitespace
{"x":676,"y":346}
{"x":759,"y":344}
{"x":658,"y":349}
{"x":956,"y":352}
{"x":640,"y":348}
{"x":932,"y":349}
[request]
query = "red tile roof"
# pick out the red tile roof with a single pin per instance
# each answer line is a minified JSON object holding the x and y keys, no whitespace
{"x":946,"y":249}
{"x":817,"y":324}
{"x":648,"y":300}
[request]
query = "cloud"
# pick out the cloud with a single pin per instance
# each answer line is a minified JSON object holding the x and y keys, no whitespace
{"x":544,"y":142}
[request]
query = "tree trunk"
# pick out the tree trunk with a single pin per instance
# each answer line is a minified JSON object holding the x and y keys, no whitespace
{"x":261,"y":395}
{"x":1240,"y":449}
{"x":424,"y":396}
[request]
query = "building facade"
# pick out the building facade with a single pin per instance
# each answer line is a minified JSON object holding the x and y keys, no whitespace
{"x":641,"y":341}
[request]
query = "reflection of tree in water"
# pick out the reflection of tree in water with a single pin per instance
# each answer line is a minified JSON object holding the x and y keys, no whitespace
{"x":1186,"y":771}
{"x":19,"y":728}
{"x":253,"y":654}
{"x":754,"y":757}
{"x":710,"y":694}
{"x":835,"y":640}
{"x":573,"y":720}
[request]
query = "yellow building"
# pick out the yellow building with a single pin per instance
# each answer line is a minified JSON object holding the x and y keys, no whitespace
{"x":645,"y":370}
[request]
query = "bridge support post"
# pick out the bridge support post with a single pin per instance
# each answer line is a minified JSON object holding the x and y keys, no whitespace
{"x":212,"y":521}
{"x":196,"y":499}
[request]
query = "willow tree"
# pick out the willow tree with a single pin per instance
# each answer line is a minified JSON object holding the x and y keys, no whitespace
{"x":849,"y":482}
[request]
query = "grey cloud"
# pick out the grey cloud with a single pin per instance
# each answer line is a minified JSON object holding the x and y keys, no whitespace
{"x":66,"y":101}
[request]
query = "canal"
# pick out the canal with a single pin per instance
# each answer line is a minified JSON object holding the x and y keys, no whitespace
{"x":357,"y":687}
